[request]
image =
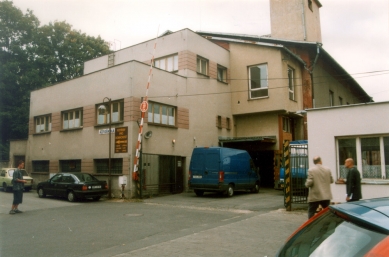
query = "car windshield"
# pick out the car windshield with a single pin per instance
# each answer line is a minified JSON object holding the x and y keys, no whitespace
{"x":11,"y":172}
{"x":84,"y":177}
{"x":331,"y":235}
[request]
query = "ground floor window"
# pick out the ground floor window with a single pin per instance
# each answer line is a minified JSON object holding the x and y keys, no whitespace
{"x":70,"y":165}
{"x":370,"y":154}
{"x":40,"y":166}
{"x":101,"y":166}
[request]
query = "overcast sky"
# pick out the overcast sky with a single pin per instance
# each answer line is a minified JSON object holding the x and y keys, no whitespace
{"x":354,"y":32}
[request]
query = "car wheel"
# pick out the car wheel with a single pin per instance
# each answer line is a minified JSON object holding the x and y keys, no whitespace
{"x":71,"y":196}
{"x":199,"y":192}
{"x":255,"y":189}
{"x":96,"y":198}
{"x":41,"y":193}
{"x":230,"y":190}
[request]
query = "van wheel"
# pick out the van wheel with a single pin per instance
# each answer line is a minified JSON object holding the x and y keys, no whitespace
{"x":255,"y":189}
{"x":230,"y":190}
{"x":199,"y":192}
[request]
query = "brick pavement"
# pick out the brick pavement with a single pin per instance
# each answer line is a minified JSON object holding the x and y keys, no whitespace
{"x":260,"y":235}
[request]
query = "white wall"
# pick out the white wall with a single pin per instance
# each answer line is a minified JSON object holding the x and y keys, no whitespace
{"x":326,"y":124}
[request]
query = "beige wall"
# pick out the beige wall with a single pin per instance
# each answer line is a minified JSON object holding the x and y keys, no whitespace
{"x":245,"y":55}
{"x":293,"y":20}
{"x":324,"y":82}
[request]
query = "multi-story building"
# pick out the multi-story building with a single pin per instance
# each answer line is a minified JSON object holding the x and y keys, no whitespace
{"x":205,"y":89}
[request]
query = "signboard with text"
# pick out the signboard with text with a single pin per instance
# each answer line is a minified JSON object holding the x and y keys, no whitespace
{"x":121,"y":140}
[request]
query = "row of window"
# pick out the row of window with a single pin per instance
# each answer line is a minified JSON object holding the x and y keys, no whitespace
{"x":73,"y":119}
{"x":100,"y":166}
{"x":370,"y":154}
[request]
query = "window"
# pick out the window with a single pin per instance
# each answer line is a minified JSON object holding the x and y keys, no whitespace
{"x":70,"y":165}
{"x":286,"y":124}
{"x":331,"y":95}
{"x":228,"y":120}
{"x":116,"y":110}
{"x":219,"y":121}
{"x":202,"y":65}
{"x":40,"y":166}
{"x":101,"y":166}
{"x":43,"y":124}
{"x":169,"y":63}
{"x":291,"y":83}
{"x":258,"y":81}
{"x":161,"y":114}
{"x":72,"y":119}
{"x":340,"y":100}
{"x":222,"y":74}
{"x":370,"y":154}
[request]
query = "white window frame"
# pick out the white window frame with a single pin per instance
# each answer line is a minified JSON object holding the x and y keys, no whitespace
{"x":161,"y":114}
{"x":221,"y":73}
{"x":70,"y":120}
{"x":263,"y":88}
{"x":361,"y":164}
{"x":202,"y":65}
{"x":116,"y":109}
{"x":43,"y":123}
{"x":168,"y":63}
{"x":291,"y":86}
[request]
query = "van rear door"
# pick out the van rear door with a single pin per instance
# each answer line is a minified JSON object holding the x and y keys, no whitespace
{"x":212,"y":167}
{"x":204,"y":167}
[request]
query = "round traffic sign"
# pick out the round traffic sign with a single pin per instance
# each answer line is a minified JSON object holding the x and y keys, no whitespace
{"x":144,"y":106}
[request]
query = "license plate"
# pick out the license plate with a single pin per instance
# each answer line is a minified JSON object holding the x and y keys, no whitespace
{"x":95,"y":187}
{"x":197,"y":176}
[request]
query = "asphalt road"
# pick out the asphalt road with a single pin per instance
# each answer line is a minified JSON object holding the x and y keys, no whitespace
{"x":174,"y":225}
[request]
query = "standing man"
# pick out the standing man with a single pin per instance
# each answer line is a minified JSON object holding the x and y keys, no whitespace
{"x":18,"y":186}
{"x":318,"y":182}
{"x":353,"y":182}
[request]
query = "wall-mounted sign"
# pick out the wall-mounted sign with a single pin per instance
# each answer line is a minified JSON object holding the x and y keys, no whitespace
{"x":121,"y":140}
{"x":106,"y":131}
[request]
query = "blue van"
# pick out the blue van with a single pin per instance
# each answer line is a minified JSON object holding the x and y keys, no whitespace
{"x":218,"y":169}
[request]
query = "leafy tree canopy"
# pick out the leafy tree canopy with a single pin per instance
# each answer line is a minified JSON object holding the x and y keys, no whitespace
{"x":32,"y":57}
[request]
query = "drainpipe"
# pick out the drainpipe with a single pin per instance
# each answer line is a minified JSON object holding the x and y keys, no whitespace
{"x":303,"y":19}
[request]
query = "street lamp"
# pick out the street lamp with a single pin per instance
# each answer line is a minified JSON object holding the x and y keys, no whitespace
{"x":103,"y":108}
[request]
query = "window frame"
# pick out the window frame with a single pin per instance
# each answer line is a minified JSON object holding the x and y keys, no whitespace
{"x":161,"y":117}
{"x":163,"y":63}
{"x":73,"y":112}
{"x":221,"y":73}
{"x":291,"y":84}
{"x":331,"y":97}
{"x":200,"y":63}
{"x":105,"y":119}
{"x":101,"y":166}
{"x":265,"y":80}
{"x":358,"y":157}
{"x":46,"y":123}
{"x":40,"y":166}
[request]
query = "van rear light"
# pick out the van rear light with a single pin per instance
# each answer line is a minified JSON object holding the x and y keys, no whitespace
{"x":221,"y":176}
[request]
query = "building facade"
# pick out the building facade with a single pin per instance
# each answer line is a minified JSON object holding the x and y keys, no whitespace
{"x":352,"y":131}
{"x":206,"y":89}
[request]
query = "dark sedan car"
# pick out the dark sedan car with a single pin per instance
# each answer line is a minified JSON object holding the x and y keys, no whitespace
{"x":350,"y":229}
{"x":73,"y":186}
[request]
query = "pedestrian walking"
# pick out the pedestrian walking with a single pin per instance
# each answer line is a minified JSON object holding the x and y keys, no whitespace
{"x":18,"y":187}
{"x":353,"y":182}
{"x":318,"y":181}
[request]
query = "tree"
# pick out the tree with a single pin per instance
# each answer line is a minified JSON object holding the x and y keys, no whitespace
{"x":32,"y":57}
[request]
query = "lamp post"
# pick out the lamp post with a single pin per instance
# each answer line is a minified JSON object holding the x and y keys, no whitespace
{"x":105,"y":109}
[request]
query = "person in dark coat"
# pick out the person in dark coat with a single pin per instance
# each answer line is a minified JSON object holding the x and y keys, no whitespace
{"x":353,"y":182}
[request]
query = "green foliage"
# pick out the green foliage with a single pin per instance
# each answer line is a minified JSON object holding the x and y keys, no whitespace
{"x":32,"y":57}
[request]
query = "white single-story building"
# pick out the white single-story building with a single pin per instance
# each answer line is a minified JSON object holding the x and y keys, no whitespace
{"x":359,"y":131}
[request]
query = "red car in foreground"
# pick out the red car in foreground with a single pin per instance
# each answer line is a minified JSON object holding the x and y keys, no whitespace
{"x":349,"y":229}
